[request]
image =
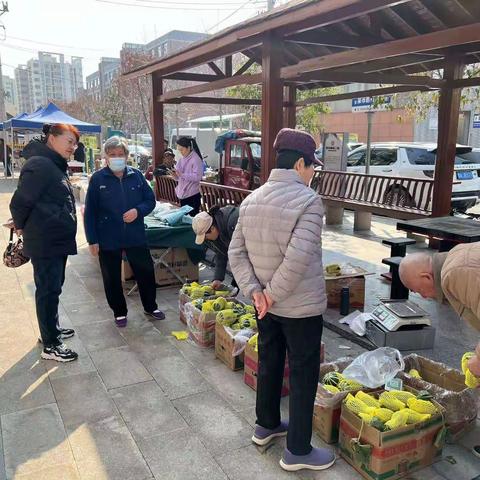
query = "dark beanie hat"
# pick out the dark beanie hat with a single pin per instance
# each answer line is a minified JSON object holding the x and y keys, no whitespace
{"x":302,"y":142}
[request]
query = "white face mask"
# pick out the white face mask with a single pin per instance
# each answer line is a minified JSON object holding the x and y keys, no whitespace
{"x":117,"y":164}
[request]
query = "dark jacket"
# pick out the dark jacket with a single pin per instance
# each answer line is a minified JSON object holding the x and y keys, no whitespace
{"x":225,"y":220}
{"x":108,"y":198}
{"x":79,"y":155}
{"x":43,"y":205}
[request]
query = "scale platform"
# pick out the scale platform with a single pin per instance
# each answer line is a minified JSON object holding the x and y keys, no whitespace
{"x":400,"y":324}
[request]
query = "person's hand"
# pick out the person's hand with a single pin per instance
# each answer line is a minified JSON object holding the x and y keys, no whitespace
{"x":260,"y":303}
{"x":93,"y":249}
{"x":174,"y":173}
{"x":216,"y":284}
{"x":268,"y":299}
{"x":130,"y":216}
{"x":474,"y":362}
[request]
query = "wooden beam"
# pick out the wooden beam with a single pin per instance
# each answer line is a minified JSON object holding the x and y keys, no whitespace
{"x":215,"y":101}
{"x":300,"y":17}
{"x":374,"y":78}
{"x":216,"y":69}
{"x":244,"y":67}
{"x":363,"y":93}
{"x":420,"y":43}
{"x":191,"y":77}
{"x":312,"y":37}
{"x":290,"y":112}
{"x":211,"y":86}
{"x":465,"y":82}
{"x":272,"y":95}
{"x":448,"y":112}
{"x":228,"y":66}
{"x":156,"y":120}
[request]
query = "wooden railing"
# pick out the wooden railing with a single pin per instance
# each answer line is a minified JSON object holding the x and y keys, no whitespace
{"x":400,"y":193}
{"x":212,"y":193}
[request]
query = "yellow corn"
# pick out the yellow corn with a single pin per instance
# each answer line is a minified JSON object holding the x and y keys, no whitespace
{"x":389,"y":401}
{"x":383,"y":414}
{"x":399,"y":419}
{"x":367,"y":418}
{"x":367,"y":399}
{"x":347,"y":385}
{"x":422,"y":406}
{"x":471,"y":380}
{"x":415,"y":417}
{"x":355,"y":405}
{"x":402,"y":395}
{"x":331,"y":389}
{"x":414,"y":373}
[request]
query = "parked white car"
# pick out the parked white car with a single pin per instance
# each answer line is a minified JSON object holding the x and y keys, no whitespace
{"x":417,"y":160}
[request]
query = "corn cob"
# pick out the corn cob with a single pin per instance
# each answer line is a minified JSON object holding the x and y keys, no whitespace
{"x":367,"y":399}
{"x":366,"y":417}
{"x":331,"y":389}
{"x":415,"y":417}
{"x":471,"y":380}
{"x":347,"y":385}
{"x":414,"y":373}
{"x":402,"y":395}
{"x":389,"y":401}
{"x":355,"y":405}
{"x":422,"y":406}
{"x":383,"y":414}
{"x":399,"y":419}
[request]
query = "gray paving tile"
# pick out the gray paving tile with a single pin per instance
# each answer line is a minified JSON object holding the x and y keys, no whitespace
{"x":119,"y":367}
{"x":25,"y":385}
{"x":467,"y":465}
{"x":87,"y":313}
{"x":146,"y":410}
{"x":83,"y":399}
{"x":105,"y":450}
{"x":65,"y":472}
{"x":213,"y":420}
{"x":230,"y":385}
{"x":248,"y":463}
{"x":35,"y":439}
{"x":176,"y":377}
{"x":339,"y":471}
{"x":100,"y":336}
{"x":180,"y":455}
{"x":3,"y":474}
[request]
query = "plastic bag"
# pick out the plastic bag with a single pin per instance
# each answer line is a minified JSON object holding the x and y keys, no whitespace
{"x":240,"y":338}
{"x":357,"y":321}
{"x":374,"y":369}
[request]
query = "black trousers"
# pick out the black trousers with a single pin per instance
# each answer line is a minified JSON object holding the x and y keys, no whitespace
{"x":194,"y":201}
{"x":301,"y":338}
{"x":141,"y":262}
{"x":49,"y":277}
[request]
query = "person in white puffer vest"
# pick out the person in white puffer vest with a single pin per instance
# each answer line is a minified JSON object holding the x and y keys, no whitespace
{"x":276,"y":258}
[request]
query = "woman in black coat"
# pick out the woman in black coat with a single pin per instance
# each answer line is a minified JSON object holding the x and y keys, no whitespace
{"x":43,"y":211}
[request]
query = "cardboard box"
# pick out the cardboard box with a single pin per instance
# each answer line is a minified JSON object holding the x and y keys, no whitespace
{"x":393,"y":454}
{"x":251,"y":369}
{"x":447,"y":386}
{"x":357,"y":291}
{"x":180,"y":262}
{"x":224,"y":345}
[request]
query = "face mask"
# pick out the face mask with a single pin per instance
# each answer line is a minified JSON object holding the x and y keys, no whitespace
{"x":117,"y":164}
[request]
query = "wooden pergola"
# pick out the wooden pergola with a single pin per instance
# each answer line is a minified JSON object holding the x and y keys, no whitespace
{"x":317,"y":43}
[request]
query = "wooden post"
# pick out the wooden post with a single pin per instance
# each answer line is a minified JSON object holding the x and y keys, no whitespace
{"x":272,"y":100}
{"x":448,"y":112}
{"x":158,"y":130}
{"x":290,"y":111}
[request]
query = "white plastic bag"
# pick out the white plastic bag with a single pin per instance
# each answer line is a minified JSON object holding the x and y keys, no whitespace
{"x":374,"y":369}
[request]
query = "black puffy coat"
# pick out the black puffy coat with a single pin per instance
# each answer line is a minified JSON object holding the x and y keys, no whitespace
{"x":43,"y":205}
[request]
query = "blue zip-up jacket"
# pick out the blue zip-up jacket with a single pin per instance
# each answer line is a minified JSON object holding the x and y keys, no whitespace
{"x":108,"y":198}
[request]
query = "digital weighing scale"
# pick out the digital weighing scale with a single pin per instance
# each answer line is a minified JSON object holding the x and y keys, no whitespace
{"x":400,"y":324}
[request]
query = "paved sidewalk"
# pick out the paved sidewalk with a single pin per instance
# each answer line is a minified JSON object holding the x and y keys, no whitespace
{"x":140,"y":405}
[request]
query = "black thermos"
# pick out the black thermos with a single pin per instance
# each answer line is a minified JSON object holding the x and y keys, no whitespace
{"x":345,"y":301}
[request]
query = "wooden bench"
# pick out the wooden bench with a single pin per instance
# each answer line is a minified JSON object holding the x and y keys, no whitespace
{"x":212,"y":193}
{"x":396,"y":197}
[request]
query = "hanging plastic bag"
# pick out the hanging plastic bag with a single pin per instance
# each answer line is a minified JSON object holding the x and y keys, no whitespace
{"x":241,"y":338}
{"x":374,"y":369}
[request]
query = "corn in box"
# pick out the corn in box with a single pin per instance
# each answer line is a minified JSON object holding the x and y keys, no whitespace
{"x":387,"y":435}
{"x":194,"y":291}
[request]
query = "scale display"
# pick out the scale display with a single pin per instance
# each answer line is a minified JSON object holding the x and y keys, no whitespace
{"x":393,"y":315}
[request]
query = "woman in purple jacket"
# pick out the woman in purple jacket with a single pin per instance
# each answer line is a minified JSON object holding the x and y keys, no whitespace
{"x":189,"y":172}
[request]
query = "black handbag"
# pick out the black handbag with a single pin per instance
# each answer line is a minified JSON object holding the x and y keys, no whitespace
{"x":13,"y":256}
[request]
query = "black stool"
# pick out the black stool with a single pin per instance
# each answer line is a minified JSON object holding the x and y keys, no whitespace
{"x":398,"y":248}
{"x":398,"y":291}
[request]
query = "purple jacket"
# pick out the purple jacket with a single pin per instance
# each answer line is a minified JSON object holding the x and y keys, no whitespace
{"x":190,"y":169}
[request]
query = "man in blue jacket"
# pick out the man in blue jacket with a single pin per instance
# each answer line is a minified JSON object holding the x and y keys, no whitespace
{"x":118,"y":198}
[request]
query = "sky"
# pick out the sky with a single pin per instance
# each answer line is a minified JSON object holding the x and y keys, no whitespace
{"x":97,"y":28}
